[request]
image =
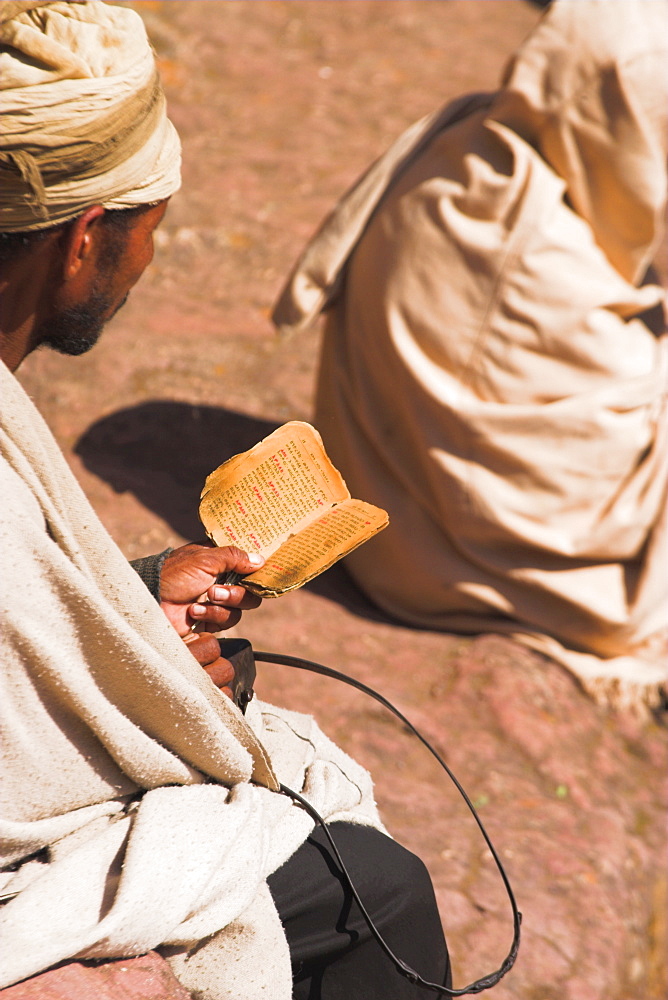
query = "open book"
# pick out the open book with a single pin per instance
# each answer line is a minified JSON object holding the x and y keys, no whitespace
{"x":284,"y":499}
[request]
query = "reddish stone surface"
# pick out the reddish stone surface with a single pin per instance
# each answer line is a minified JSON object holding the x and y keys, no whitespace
{"x":280,"y":105}
{"x":147,"y":977}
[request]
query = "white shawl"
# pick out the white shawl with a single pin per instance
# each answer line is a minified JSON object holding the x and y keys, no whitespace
{"x":152,"y":793}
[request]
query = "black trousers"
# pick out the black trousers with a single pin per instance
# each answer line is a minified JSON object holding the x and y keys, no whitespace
{"x":334,"y":954}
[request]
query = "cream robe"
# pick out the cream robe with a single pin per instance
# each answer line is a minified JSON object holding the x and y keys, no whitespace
{"x":485,"y":376}
{"x":152,"y":793}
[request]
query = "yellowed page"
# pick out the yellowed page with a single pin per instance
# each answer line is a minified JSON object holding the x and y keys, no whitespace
{"x":258,"y":499}
{"x":334,"y":534}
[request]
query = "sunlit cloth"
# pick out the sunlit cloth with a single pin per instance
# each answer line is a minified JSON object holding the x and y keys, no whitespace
{"x":150,"y":790}
{"x":83,"y":114}
{"x":486,"y":375}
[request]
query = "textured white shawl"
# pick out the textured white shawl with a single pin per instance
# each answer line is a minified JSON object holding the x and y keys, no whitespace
{"x":150,"y":790}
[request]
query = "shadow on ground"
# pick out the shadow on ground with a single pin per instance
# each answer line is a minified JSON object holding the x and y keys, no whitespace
{"x":162,"y":451}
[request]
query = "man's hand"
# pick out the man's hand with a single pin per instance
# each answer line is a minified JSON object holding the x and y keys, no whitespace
{"x":206,"y":651}
{"x":189,"y":594}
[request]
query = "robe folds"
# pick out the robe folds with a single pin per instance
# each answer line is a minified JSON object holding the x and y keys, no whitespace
{"x":494,"y":364}
{"x":138,"y":806}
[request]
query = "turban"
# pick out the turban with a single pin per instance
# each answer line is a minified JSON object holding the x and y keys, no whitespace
{"x":83,"y":113}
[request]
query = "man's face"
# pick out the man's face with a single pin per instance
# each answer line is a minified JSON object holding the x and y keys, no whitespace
{"x":121,"y":258}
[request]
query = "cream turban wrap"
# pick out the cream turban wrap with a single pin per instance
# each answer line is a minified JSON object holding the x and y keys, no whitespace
{"x":83,"y":113}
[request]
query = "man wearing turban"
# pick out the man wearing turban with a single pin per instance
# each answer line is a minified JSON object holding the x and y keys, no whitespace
{"x":140,"y":808}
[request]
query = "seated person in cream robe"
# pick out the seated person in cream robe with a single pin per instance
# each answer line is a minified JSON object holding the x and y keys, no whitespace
{"x":494,"y":364}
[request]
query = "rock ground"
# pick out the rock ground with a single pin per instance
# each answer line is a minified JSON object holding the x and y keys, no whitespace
{"x":281,"y":104}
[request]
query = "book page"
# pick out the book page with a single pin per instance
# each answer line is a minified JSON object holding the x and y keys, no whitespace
{"x":257,"y":499}
{"x":336,"y":533}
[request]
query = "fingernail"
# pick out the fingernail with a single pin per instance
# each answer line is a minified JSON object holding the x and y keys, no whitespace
{"x":221,"y":594}
{"x":255,"y":558}
{"x":197,"y":610}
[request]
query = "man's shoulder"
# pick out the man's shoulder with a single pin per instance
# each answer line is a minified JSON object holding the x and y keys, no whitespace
{"x":19,"y":506}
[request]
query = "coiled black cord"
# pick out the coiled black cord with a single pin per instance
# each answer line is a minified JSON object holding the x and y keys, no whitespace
{"x":486,"y":982}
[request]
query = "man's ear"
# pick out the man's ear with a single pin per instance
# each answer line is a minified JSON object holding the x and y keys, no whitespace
{"x":79,"y":240}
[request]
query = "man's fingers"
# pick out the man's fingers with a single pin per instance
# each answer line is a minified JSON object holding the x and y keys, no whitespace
{"x":214,"y":617}
{"x":190,"y":594}
{"x":222,"y":674}
{"x":233,"y":597}
{"x":206,"y":651}
{"x":232,"y":559}
{"x":191,"y":569}
{"x":203,"y":647}
{"x":231,"y":601}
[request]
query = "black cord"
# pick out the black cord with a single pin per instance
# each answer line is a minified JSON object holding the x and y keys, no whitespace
{"x":486,"y":982}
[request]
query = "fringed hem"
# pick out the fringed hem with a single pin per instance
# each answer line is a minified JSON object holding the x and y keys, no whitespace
{"x":624,"y":695}
{"x":610,"y":683}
